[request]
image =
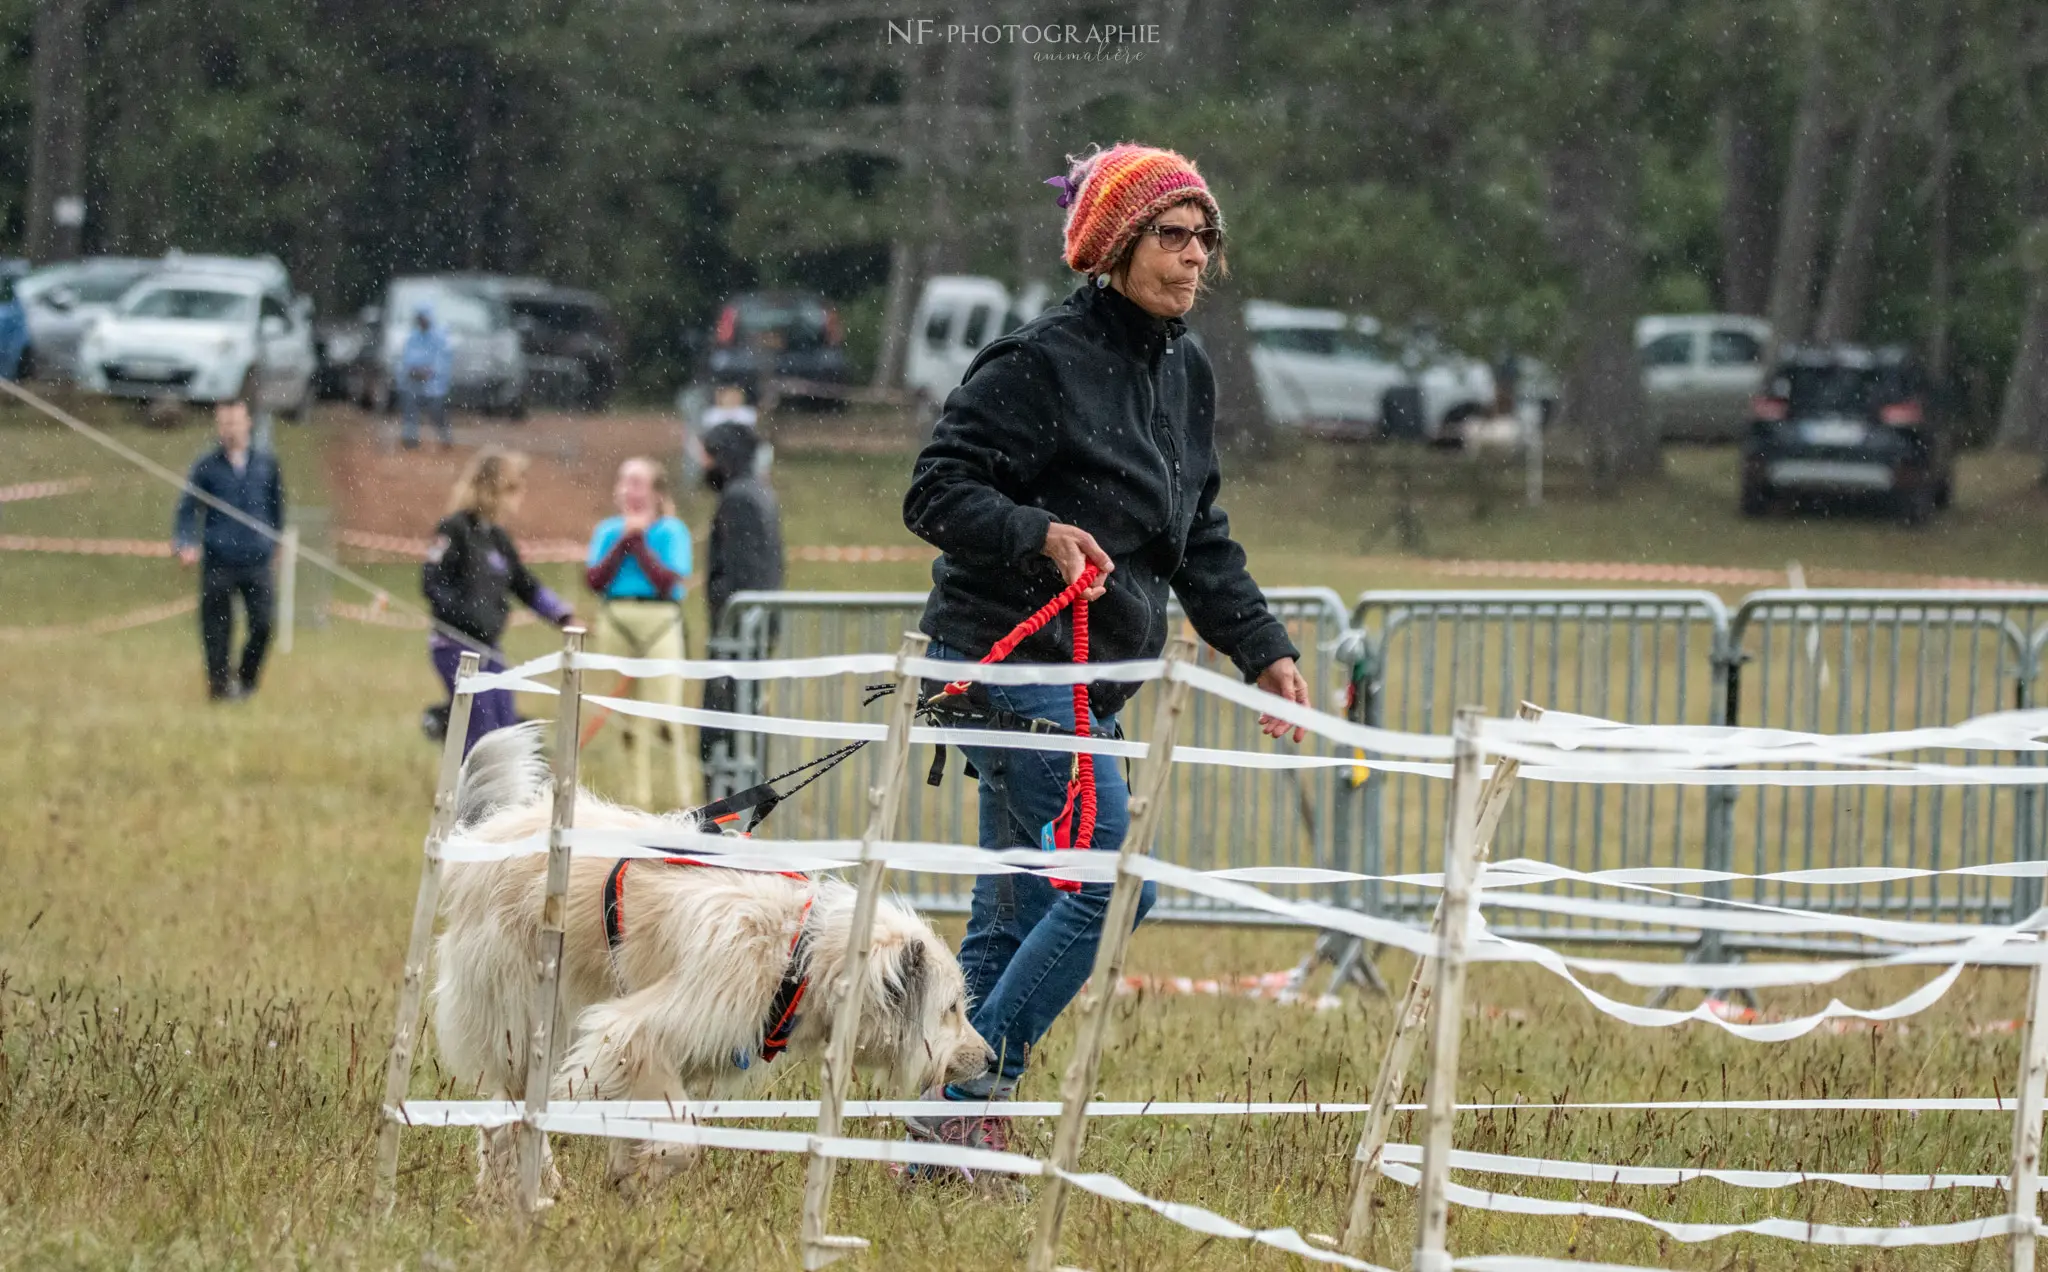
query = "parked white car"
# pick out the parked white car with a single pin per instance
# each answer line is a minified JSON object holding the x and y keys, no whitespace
{"x":955,"y":317}
{"x":202,"y":336}
{"x":63,"y":301}
{"x":1700,"y":372}
{"x":1333,"y":374}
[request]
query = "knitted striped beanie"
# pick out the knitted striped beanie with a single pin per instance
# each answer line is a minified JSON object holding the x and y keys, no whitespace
{"x":1112,"y":195}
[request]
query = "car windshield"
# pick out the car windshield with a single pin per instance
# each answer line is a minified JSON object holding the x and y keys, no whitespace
{"x":559,"y":315}
{"x":800,"y":323}
{"x":462,"y":312}
{"x":192,"y":304}
{"x":1810,"y":391}
{"x":1320,"y":341}
{"x":102,"y":286}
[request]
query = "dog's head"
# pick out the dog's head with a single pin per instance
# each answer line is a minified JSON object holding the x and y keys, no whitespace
{"x":914,"y":1010}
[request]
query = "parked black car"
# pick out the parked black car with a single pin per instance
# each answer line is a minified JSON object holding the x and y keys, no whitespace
{"x":574,"y":346}
{"x":785,"y":335}
{"x":340,"y":346}
{"x":1846,"y":423}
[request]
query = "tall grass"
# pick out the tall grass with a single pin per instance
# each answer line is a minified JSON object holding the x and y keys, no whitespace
{"x":203,"y":915}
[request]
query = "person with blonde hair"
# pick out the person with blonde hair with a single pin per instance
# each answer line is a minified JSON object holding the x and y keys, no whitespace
{"x":639,"y":565}
{"x":471,"y":574}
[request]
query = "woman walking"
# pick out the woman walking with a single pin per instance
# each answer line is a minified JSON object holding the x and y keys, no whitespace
{"x":471,"y":574}
{"x":1084,"y":438}
{"x":639,"y":565}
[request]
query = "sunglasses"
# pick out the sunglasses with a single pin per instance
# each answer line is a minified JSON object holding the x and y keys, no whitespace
{"x":1175,"y":238}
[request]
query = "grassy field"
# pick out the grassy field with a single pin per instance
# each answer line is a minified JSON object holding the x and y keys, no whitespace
{"x":205,"y":908}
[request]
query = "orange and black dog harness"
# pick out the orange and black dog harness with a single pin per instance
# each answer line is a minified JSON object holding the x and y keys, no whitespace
{"x":784,"y":1010}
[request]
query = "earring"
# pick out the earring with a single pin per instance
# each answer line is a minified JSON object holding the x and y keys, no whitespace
{"x":1101,"y":281}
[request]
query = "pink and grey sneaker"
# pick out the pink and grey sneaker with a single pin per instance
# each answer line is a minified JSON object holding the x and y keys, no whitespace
{"x":969,"y":1128}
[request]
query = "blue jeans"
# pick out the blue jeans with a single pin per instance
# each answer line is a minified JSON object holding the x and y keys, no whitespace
{"x":409,"y":404}
{"x":1029,"y":946}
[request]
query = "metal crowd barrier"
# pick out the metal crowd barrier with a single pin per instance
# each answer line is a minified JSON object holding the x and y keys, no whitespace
{"x":1869,"y":661}
{"x":1648,"y":657}
{"x":1219,"y":818}
{"x":1826,"y":661}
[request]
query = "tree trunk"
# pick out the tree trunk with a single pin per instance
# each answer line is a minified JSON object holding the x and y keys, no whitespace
{"x":896,"y":312}
{"x":1799,"y":212}
{"x":1241,"y":423}
{"x":1593,"y":187}
{"x":1841,"y":309}
{"x":56,"y":171}
{"x":1746,"y":204}
{"x":479,"y":196}
{"x":1940,"y":249}
{"x":2021,"y":414}
{"x":1028,"y":205}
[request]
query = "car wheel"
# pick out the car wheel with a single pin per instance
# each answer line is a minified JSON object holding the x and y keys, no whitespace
{"x":1945,"y":493}
{"x":1916,"y":506}
{"x":296,"y":412}
{"x":1756,"y":500}
{"x":1450,"y":434}
{"x":25,"y":370}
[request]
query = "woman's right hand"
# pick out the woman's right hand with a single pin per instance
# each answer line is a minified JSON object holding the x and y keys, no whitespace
{"x":1073,"y":550}
{"x":639,"y":522}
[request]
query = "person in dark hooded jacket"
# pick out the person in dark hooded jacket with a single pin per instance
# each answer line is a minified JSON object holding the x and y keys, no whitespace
{"x":745,"y":549}
{"x":1084,"y":438}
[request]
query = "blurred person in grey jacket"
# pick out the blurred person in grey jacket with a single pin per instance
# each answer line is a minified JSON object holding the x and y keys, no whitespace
{"x":745,"y":548}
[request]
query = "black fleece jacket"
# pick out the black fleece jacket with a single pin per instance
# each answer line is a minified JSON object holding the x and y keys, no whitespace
{"x":1098,"y":415}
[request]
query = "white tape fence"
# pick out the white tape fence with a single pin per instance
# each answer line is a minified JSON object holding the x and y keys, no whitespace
{"x":1561,"y":748}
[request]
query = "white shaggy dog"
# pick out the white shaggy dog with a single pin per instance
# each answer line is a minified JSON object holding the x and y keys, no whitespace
{"x":679,"y":1009}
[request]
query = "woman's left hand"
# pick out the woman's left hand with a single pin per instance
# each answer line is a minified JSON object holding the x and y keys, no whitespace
{"x":1283,"y":680}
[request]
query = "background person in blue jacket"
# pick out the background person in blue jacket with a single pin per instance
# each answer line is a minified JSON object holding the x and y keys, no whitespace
{"x":233,"y":558}
{"x":425,"y":364}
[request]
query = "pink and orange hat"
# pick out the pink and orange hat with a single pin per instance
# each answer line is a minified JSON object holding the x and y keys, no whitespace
{"x":1112,"y":195}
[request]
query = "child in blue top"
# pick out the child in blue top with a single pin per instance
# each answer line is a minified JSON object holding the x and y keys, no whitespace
{"x":640,"y":563}
{"x":643,"y":553}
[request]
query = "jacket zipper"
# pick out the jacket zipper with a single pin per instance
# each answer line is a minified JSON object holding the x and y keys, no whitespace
{"x":1163,"y":439}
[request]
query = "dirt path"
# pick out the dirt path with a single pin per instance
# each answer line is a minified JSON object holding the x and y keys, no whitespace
{"x":382,"y":490}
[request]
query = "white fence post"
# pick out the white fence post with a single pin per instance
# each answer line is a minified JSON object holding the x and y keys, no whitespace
{"x":405,"y":1034}
{"x":1356,"y":1234}
{"x":2026,"y":1124}
{"x":288,"y":589}
{"x":545,"y":1046}
{"x":885,"y":798}
{"x":1117,"y":920}
{"x":1460,"y":842}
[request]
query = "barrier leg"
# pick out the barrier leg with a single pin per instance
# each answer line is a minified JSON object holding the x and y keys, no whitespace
{"x":1355,"y":1236}
{"x":1460,"y":870}
{"x":405,"y":1033}
{"x":885,"y":798}
{"x":1086,"y":1063}
{"x":2026,"y":1126}
{"x":546,"y":1048}
{"x":287,"y":589}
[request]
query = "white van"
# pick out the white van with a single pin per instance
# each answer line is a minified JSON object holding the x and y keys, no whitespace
{"x":956,"y":316}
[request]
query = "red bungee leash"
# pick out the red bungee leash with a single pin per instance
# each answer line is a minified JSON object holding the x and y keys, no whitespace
{"x":1081,"y":785}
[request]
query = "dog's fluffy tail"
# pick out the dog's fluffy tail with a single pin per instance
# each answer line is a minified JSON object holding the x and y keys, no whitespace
{"x":505,"y":768}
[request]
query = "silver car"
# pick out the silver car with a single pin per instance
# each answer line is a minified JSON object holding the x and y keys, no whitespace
{"x":61,"y":302}
{"x":1700,"y":372}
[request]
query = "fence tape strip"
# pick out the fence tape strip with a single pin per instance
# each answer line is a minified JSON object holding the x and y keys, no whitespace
{"x":484,"y":1113}
{"x":1665,"y":1176}
{"x":1194,"y":1218}
{"x":1787,"y":1229}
